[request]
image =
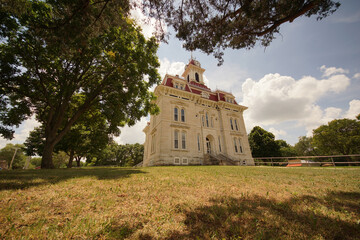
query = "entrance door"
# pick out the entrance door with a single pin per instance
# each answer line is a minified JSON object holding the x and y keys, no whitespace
{"x":208,"y":146}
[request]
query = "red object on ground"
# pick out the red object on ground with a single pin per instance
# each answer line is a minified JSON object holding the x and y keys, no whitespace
{"x":294,"y":165}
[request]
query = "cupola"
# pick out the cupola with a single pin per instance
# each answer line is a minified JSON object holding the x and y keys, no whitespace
{"x":193,"y":72}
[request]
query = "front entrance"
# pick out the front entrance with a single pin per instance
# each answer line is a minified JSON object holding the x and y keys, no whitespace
{"x":208,"y":146}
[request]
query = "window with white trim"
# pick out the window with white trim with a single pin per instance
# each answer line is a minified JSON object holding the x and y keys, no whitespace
{"x":153,"y":139}
{"x":182,"y":115}
{"x":185,"y":161}
{"x":198,"y":142}
{"x":235,"y":145}
{"x":236,"y":125}
{"x":177,"y":160}
{"x":176,"y":139}
{"x":219,"y":144}
{"x":240,"y":146}
{"x":231,"y":124}
{"x":183,"y":140}
{"x":207,"y":119}
{"x":176,"y":114}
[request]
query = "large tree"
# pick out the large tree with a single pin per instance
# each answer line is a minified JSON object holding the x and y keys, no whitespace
{"x":305,"y":147}
{"x":340,"y":136}
{"x":90,"y":134}
{"x":212,"y":26}
{"x":58,"y":58}
{"x":263,"y":144}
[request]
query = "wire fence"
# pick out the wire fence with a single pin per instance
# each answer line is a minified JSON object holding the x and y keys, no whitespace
{"x":324,"y":161}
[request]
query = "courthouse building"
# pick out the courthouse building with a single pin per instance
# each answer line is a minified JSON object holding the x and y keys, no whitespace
{"x":195,"y":126}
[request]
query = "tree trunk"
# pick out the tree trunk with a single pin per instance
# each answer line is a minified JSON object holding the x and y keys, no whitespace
{"x":46,"y":161}
{"x":71,"y":158}
{"x":78,"y":161}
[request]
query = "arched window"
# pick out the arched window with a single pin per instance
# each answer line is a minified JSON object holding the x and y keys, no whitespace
{"x":207,"y":119}
{"x":176,"y":139}
{"x":202,"y":119}
{"x":235,"y":145}
{"x":231,"y":124}
{"x":183,"y":115}
{"x":197,"y":77}
{"x":176,"y":114}
{"x":183,"y":140}
{"x":236,"y":126}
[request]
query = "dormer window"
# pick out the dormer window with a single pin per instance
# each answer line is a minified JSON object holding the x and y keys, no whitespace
{"x":188,"y":78}
{"x":229,"y":100}
{"x":197,"y":77}
{"x":179,"y":86}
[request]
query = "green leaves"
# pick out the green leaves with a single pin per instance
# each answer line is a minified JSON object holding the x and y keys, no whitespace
{"x":71,"y":58}
{"x":263,"y":144}
{"x":341,"y":136}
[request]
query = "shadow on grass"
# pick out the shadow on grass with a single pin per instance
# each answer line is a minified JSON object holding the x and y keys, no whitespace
{"x":20,"y":179}
{"x":258,"y":217}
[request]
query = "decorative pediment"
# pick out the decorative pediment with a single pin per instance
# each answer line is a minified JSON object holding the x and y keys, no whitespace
{"x":236,"y":134}
{"x":205,"y":95}
{"x":232,"y":115}
{"x":179,"y":125}
{"x":180,"y":103}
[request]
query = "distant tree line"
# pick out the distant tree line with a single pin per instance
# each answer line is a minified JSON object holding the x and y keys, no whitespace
{"x":111,"y":154}
{"x":338,"y":137}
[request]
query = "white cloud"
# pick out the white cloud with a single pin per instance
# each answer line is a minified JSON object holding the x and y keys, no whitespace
{"x":133,"y":134}
{"x":277,"y":132}
{"x":332,"y":70}
{"x":356,"y":76}
{"x":172,"y":68}
{"x":354,"y":109}
{"x":22,"y":132}
{"x":276,"y":99}
{"x":148,"y":25}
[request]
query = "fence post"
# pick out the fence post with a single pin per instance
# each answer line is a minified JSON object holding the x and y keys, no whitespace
{"x":271,"y":162}
{"x":333,"y":161}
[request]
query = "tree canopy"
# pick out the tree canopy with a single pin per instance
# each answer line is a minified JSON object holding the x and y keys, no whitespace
{"x":263,"y":144}
{"x":212,"y":26}
{"x":60,"y":58}
{"x":119,"y":155}
{"x":340,"y":136}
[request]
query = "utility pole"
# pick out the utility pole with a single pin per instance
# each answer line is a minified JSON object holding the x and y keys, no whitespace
{"x":12,"y":160}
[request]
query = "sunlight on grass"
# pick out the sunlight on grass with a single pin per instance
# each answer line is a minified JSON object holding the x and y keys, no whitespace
{"x":204,"y":202}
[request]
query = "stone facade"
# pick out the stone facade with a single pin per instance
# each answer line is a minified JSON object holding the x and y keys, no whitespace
{"x":195,"y":126}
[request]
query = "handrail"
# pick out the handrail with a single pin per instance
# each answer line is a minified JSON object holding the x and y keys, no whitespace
{"x":330,"y":156}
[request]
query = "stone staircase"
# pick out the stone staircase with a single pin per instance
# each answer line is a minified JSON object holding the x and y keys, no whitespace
{"x":210,"y":159}
{"x":225,"y":160}
{"x":220,"y":159}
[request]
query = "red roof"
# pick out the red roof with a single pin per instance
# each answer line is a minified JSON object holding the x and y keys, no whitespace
{"x":197,"y":88}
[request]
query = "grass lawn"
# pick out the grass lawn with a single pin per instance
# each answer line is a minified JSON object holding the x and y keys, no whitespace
{"x":198,"y":202}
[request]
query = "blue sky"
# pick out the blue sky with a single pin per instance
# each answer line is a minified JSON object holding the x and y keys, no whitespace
{"x":308,"y":76}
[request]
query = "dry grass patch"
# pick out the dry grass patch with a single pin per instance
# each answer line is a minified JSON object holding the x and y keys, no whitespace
{"x":204,"y":202}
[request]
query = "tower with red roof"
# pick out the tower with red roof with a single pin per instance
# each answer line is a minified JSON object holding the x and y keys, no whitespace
{"x":195,"y":126}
